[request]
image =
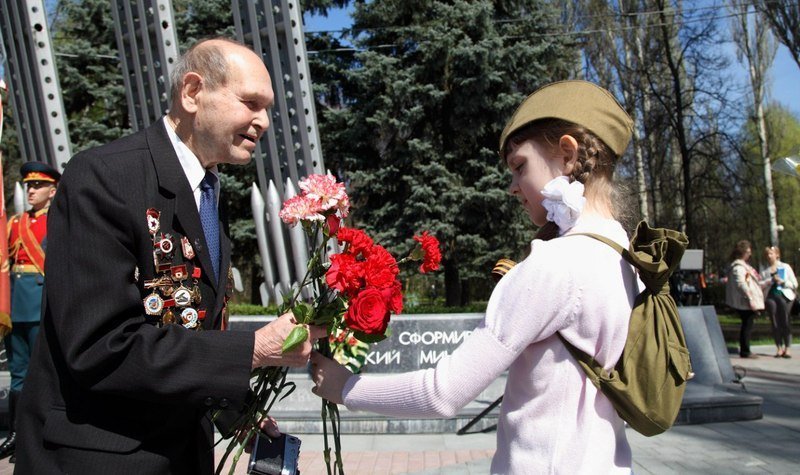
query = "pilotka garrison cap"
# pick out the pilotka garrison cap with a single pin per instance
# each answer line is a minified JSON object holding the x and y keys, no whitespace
{"x":579,"y":102}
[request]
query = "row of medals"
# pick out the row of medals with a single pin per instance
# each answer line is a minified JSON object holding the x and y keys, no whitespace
{"x":171,"y":298}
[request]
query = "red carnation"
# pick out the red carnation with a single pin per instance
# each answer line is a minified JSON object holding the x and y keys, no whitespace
{"x":358,"y":240}
{"x":344,"y":274}
{"x":368,"y":313}
{"x":393,"y":296}
{"x":430,"y":246}
{"x":380,"y":268}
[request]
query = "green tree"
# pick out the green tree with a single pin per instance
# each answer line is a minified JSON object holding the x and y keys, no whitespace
{"x":741,"y":215}
{"x":89,"y":72}
{"x":417,"y":142}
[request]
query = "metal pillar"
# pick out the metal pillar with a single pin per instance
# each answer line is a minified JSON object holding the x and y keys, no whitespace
{"x":148,"y":48}
{"x":290,"y":148}
{"x":35,"y":96}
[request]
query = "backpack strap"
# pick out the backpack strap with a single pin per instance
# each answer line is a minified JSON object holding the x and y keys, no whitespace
{"x":592,"y":368}
{"x":621,"y":250}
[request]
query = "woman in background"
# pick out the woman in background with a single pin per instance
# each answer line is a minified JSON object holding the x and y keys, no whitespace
{"x":743,"y":293}
{"x":779,"y":286}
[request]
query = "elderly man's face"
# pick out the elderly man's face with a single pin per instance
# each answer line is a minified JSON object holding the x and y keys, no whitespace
{"x":230,"y":119}
{"x":40,"y":193}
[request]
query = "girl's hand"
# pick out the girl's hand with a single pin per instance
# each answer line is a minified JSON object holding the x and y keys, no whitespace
{"x":329,"y":377}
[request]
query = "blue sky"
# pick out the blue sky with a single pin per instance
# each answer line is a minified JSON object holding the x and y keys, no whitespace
{"x":784,"y":74}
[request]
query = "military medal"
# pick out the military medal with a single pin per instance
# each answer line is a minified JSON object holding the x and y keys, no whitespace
{"x":165,"y":245}
{"x":182,"y":296}
{"x":153,"y":220}
{"x":179,"y":272}
{"x":168,"y":318}
{"x":189,"y":317}
{"x":197,"y":297}
{"x":153,"y":304}
{"x":171,"y":297}
{"x":136,"y":273}
{"x":186,"y":248}
{"x":156,"y":283}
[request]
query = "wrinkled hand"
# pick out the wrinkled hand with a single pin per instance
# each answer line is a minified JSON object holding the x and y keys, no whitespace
{"x":329,"y":377}
{"x":269,"y":343}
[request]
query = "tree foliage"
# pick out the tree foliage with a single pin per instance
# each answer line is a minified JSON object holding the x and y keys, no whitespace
{"x":659,"y":56}
{"x":430,"y":89}
{"x":745,"y":217}
{"x":412,"y":97}
{"x":89,"y":72}
{"x":784,"y":18}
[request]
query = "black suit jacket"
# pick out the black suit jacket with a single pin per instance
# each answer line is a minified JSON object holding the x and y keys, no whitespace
{"x":107,"y":391}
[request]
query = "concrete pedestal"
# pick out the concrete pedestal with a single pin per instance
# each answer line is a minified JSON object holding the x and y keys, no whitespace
{"x":418,"y":341}
{"x":713,"y":395}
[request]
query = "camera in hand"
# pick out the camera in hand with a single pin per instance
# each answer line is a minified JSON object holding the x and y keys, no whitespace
{"x":279,"y":456}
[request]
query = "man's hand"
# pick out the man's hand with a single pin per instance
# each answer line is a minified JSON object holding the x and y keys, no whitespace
{"x":269,"y":343}
{"x":329,"y":378}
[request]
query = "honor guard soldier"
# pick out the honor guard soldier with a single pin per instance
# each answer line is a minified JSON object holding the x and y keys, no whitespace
{"x":27,"y":233}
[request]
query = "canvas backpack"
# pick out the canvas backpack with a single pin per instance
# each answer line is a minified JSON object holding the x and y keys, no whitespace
{"x":647,"y":384}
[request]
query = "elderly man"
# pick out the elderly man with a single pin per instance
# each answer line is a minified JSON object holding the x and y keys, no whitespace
{"x":131,"y":356}
{"x":27,"y":242}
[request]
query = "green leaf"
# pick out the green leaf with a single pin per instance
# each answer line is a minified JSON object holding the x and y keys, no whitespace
{"x":302,"y":312}
{"x":327,"y":313}
{"x":296,"y":337}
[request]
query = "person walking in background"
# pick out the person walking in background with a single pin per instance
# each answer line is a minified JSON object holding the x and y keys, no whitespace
{"x":743,"y":293}
{"x":779,"y":284}
{"x":27,"y":241}
{"x":561,"y":147}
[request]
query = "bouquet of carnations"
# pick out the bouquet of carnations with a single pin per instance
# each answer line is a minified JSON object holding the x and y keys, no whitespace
{"x":353,"y":293}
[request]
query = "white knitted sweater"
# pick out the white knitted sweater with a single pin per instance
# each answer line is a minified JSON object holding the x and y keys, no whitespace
{"x":553,"y":420}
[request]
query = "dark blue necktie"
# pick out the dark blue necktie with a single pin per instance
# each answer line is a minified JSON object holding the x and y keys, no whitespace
{"x":210,"y":219}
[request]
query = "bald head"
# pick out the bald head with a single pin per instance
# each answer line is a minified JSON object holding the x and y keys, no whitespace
{"x":211,"y":60}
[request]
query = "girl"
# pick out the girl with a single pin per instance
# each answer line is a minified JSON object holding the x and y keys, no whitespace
{"x":779,"y":286}
{"x":561,"y":146}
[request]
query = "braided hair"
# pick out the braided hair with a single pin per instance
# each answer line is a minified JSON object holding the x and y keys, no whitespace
{"x":594,"y":166}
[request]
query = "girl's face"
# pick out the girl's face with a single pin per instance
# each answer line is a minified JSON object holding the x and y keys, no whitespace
{"x":772,"y":255}
{"x":747,"y":254}
{"x":532,"y":166}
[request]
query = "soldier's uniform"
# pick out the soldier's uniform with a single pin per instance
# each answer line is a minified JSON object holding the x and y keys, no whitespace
{"x":27,"y":240}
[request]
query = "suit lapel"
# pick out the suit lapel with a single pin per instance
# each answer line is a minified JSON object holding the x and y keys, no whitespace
{"x":172,"y":178}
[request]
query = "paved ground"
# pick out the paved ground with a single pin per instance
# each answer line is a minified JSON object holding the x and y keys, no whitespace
{"x":769,"y":445}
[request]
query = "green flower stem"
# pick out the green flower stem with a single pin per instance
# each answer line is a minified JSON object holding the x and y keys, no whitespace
{"x":270,"y":382}
{"x":327,"y":452}
{"x":335,"y":426}
{"x":241,"y":449}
